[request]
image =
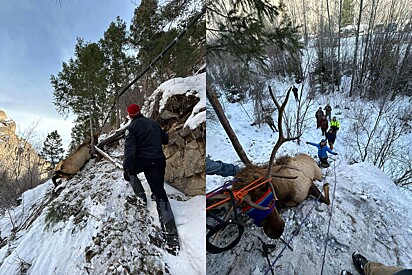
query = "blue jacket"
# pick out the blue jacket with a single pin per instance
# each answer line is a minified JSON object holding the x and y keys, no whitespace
{"x":322,"y":150}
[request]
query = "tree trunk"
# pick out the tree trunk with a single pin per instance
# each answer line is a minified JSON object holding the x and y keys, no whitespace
{"x":305,"y":24}
{"x":355,"y":54}
{"x":117,"y":110}
{"x":339,"y":48}
{"x":211,"y":96}
{"x":332,"y":47}
{"x":91,"y":128}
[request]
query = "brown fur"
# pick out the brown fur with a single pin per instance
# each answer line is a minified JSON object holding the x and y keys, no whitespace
{"x":290,"y":192}
{"x":72,"y":164}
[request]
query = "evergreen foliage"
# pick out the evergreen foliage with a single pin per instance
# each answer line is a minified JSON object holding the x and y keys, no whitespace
{"x":348,"y":12}
{"x":90,"y":82}
{"x":154,"y":27}
{"x":324,"y":73}
{"x":81,"y":86}
{"x":52,"y":149}
{"x":244,"y":28}
{"x":114,"y":46}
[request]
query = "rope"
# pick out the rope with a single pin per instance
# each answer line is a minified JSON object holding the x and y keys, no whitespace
{"x":241,"y":105}
{"x":239,"y":194}
{"x":295,"y":232}
{"x":148,"y":67}
{"x":330,"y":219}
{"x":224,"y":186}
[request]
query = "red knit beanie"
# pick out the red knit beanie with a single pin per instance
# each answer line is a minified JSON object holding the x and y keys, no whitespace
{"x":133,"y":110}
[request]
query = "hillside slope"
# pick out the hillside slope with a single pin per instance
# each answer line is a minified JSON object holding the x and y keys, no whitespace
{"x":90,"y":228}
{"x":87,"y":225}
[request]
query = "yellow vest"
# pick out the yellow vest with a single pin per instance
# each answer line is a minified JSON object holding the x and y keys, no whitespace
{"x":335,"y":123}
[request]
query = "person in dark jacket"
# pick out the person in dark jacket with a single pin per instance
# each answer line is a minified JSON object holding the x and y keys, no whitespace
{"x":269,"y":121}
{"x":143,"y":153}
{"x":323,"y":125}
{"x":319,"y":114}
{"x":295,"y":93}
{"x":328,"y":111}
{"x":323,"y":149}
{"x":220,"y":168}
{"x":331,"y":137}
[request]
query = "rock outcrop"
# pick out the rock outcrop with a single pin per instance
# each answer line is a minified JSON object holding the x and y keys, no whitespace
{"x":18,"y":158}
{"x":179,"y":106}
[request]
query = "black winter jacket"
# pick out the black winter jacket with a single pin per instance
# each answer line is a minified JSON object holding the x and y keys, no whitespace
{"x":143,"y":140}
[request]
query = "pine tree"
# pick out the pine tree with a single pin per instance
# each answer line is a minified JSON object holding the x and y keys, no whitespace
{"x":81,"y":86}
{"x":348,"y":13}
{"x":114,"y":46}
{"x":53,"y":148}
{"x":245,"y":28}
{"x":154,"y":27}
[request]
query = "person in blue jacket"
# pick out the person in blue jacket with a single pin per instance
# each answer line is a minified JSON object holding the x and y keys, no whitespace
{"x":322,"y":152}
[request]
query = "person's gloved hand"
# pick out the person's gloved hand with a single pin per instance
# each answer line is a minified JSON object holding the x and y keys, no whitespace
{"x":335,"y":154}
{"x":307,"y":142}
{"x":126,"y":175}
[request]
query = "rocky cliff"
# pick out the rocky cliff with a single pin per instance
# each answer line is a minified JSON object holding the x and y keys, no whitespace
{"x":179,"y":106}
{"x":18,"y":158}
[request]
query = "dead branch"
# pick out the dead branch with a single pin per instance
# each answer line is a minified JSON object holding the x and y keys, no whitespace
{"x":211,"y":96}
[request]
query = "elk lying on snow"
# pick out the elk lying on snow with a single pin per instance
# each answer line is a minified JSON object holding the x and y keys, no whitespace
{"x":292,"y":180}
{"x":72,"y":164}
{"x":291,"y":177}
{"x":289,"y":191}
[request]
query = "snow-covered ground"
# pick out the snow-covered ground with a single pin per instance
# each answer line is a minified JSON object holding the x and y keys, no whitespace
{"x":86,"y":225}
{"x":370,"y":214}
{"x":98,"y":231}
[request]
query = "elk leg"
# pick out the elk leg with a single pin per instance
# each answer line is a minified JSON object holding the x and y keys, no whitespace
{"x":315,"y":192}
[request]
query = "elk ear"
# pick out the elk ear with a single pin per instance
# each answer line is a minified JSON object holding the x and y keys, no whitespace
{"x":273,"y":225}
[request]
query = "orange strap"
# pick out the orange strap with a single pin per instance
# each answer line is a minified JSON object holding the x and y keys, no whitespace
{"x":239,"y":194}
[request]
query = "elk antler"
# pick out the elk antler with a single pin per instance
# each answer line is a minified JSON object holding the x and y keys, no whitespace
{"x":249,"y":201}
{"x":281,"y":138}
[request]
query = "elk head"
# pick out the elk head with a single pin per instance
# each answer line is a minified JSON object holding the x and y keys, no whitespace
{"x":273,"y":225}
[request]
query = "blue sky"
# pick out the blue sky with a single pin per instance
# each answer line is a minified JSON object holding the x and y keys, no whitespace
{"x":35,"y":38}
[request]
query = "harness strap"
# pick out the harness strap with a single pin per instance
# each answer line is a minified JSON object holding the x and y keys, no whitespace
{"x":268,"y":200}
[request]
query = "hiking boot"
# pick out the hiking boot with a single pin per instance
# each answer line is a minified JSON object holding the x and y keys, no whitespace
{"x":359,"y":261}
{"x":324,"y":165}
{"x":131,"y":200}
{"x":153,"y":197}
{"x":344,"y":272}
{"x":142,"y":196}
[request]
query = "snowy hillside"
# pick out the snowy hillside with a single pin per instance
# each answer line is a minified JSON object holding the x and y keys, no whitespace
{"x":90,"y":228}
{"x":370,"y":214}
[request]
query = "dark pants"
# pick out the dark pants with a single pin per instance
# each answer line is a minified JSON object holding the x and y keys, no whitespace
{"x":324,"y":160}
{"x":154,"y":171}
{"x":324,"y":131}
